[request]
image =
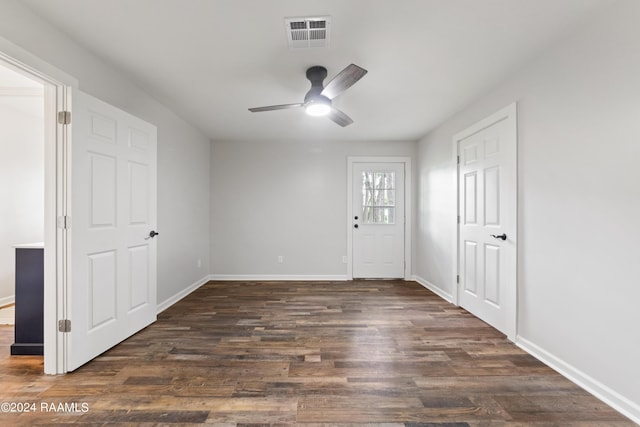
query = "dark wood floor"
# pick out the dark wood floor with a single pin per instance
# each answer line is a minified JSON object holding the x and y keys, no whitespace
{"x":306,"y":353}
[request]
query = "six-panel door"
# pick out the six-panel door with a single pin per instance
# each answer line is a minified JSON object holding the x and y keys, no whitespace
{"x":113,"y":263}
{"x":486,"y":166}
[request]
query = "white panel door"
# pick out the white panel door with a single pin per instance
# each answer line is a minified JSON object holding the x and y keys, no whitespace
{"x":487,"y":218}
{"x":113,"y":211}
{"x":378,"y":220}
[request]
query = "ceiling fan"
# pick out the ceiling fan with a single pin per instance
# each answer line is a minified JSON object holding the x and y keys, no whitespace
{"x":317,"y":101}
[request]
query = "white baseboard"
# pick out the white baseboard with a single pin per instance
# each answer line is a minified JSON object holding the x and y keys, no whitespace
{"x":183,"y":293}
{"x":278,"y":278}
{"x":610,"y":397}
{"x":433,"y":288}
{"x":11,"y":299}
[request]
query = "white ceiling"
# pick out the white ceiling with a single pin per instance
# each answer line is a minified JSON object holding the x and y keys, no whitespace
{"x":210,"y":60}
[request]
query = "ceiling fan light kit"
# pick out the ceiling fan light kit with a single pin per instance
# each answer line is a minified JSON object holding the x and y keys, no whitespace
{"x":318,"y":100}
{"x":320,"y":106}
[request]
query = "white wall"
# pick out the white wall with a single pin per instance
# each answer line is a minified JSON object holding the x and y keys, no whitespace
{"x":579,"y":203}
{"x":21,"y":182}
{"x":284,"y":198}
{"x":183,"y":151}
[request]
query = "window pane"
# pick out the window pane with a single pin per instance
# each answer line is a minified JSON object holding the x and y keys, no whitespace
{"x":367,"y":179}
{"x":385,"y":180}
{"x":367,"y":197}
{"x":367,"y":215}
{"x":378,"y":180}
{"x":385,"y":198}
{"x":367,"y":186}
{"x":383,"y":215}
{"x":390,"y":215}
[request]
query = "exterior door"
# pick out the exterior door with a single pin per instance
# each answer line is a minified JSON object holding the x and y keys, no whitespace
{"x":378,"y":223}
{"x":487,"y":221}
{"x":113,"y":210}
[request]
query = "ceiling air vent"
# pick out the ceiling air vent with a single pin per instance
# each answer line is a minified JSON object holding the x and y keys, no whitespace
{"x":308,"y":32}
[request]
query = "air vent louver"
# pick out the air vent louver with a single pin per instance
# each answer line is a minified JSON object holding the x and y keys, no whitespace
{"x":308,"y":32}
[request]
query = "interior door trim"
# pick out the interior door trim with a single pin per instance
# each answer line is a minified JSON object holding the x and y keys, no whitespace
{"x":408,"y":207}
{"x":55,"y":83}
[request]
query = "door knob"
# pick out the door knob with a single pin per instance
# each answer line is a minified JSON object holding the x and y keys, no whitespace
{"x":152,"y":234}
{"x":355,"y":217}
{"x":355,"y":225}
{"x":500,"y":236}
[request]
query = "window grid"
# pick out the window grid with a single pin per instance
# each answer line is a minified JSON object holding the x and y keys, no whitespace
{"x":378,"y":197}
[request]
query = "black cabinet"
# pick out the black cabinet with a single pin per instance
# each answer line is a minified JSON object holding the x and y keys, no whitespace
{"x":29,"y":308}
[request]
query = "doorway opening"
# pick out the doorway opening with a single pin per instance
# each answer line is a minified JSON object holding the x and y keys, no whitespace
{"x":22,"y":128}
{"x":20,"y":72}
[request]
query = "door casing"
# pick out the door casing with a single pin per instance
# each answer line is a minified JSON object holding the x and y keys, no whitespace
{"x":56,"y":179}
{"x":407,"y":208}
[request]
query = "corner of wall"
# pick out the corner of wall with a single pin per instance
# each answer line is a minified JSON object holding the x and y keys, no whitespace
{"x":182,"y":294}
{"x":435,"y":289}
{"x":606,"y":394}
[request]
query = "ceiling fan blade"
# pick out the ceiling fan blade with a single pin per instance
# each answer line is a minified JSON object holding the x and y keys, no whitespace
{"x":275,"y":107}
{"x":339,"y":117}
{"x":343,"y":81}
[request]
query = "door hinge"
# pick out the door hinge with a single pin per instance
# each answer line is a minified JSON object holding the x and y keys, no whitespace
{"x":458,"y":278}
{"x":458,"y":219}
{"x":64,"y":325}
{"x":64,"y":222}
{"x":458,"y":159}
{"x":64,"y":117}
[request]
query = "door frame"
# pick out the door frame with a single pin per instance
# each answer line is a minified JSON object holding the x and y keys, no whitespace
{"x":408,"y":207}
{"x":508,"y":113}
{"x":57,"y":179}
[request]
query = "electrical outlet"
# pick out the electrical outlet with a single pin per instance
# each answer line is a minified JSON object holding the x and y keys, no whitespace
{"x":280,"y":259}
{"x":344,"y":259}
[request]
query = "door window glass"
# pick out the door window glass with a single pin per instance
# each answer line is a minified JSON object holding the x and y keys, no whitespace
{"x":378,"y":197}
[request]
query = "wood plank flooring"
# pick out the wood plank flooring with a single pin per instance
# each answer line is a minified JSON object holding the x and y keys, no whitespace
{"x":387,"y":353}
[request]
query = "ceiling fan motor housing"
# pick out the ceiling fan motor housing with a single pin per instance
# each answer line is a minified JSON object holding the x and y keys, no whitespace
{"x":316,"y":76}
